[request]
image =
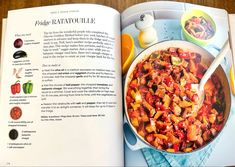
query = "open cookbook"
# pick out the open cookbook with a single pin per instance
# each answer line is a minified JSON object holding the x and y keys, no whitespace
{"x":85,"y":85}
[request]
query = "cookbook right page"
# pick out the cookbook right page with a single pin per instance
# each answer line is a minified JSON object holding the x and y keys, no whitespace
{"x":166,"y":49}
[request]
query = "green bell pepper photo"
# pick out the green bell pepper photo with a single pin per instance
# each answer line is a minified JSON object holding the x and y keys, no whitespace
{"x":28,"y":87}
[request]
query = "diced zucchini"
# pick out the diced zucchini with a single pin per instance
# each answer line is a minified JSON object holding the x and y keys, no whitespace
{"x":147,"y":66}
{"x":176,"y":60}
{"x":158,"y":114}
{"x":185,"y":104}
{"x":137,"y":96}
{"x":161,"y":136}
{"x":145,"y":118}
{"x":172,"y":139}
{"x":192,"y":133}
{"x":171,"y":150}
{"x":206,"y":135}
{"x":135,"y":106}
{"x":188,"y":149}
{"x":183,"y":82}
{"x":160,"y":92}
{"x":141,"y":133}
{"x":135,"y":122}
{"x":175,"y":119}
{"x":212,"y":118}
{"x":176,"y":109}
{"x":166,"y":100}
{"x":150,"y":108}
{"x":150,"y":128}
{"x":133,"y":94}
{"x":155,"y":55}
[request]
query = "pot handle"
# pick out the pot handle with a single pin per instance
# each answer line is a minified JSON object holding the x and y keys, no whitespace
{"x":130,"y":138}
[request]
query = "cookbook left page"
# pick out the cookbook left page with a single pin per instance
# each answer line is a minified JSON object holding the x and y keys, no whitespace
{"x":61,"y":99}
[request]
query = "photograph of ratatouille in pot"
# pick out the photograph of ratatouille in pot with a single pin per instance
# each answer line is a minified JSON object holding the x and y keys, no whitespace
{"x":161,"y":101}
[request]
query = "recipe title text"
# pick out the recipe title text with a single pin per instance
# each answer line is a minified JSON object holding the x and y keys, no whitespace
{"x":81,"y":20}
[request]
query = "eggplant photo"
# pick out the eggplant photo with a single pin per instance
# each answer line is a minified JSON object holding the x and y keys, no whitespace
{"x":19,"y":54}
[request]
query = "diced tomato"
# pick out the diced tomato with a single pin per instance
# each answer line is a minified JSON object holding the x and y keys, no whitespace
{"x":184,"y":55}
{"x":191,"y":119}
{"x":176,"y":70}
{"x":168,"y":66}
{"x":139,"y":65}
{"x":187,"y":86}
{"x":143,"y":90}
{"x":149,"y":98}
{"x":160,"y":125}
{"x":141,"y":130}
{"x":192,"y":133}
{"x":129,"y":100}
{"x":204,"y":110}
{"x":176,"y":147}
{"x":137,"y":74}
{"x":142,"y":112}
{"x":218,"y":127}
{"x":165,"y":118}
{"x":133,"y":114}
{"x":160,"y":106}
{"x":177,"y":92}
{"x":182,"y":125}
{"x":180,"y":134}
{"x":195,"y":98}
{"x":209,"y":85}
{"x":150,"y":83}
{"x":176,"y":86}
{"x":157,"y":99}
{"x":213,"y":99}
{"x":200,"y":71}
{"x":129,"y":92}
{"x":167,"y":81}
{"x":174,"y":54}
{"x":176,"y":127}
{"x":133,"y":84}
{"x":150,"y":138}
{"x":199,"y":75}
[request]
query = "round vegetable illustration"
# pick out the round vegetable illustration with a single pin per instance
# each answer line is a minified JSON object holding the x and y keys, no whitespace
{"x":16,"y":113}
{"x":18,"y":43}
{"x":13,"y":134}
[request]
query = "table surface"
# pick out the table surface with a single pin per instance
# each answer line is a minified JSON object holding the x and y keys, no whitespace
{"x":120,"y":5}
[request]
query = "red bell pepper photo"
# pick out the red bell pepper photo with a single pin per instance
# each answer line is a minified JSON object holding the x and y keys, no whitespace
{"x":15,"y":88}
